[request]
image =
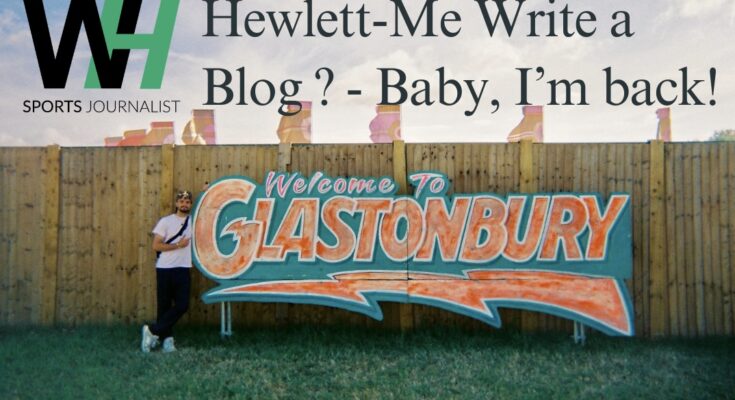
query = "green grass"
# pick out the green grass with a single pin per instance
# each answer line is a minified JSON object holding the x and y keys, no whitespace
{"x":105,"y":362}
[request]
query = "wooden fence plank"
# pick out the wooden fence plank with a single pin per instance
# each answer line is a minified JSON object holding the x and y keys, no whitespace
{"x":579,"y":155}
{"x":625,"y":184}
{"x":148,"y":285}
{"x":714,"y":225}
{"x":726,"y":239}
{"x":467,"y":167}
{"x":629,"y":186}
{"x":34,"y":201}
{"x":671,"y":217}
{"x":100,"y":228}
{"x":458,"y":164}
{"x":31,"y":195}
{"x":117,"y":267}
{"x":17,"y":261}
{"x":657,"y":255}
{"x":64,"y":217}
{"x":109,"y":232}
{"x":75,"y":293}
{"x":141,"y":236}
{"x":568,"y":169}
{"x":24,"y":217}
{"x":731,"y":224}
{"x":127,"y":174}
{"x":706,"y":241}
{"x":645,"y":179}
{"x":10,"y":225}
{"x":6,"y":166}
{"x":488,"y":169}
{"x":670,"y":242}
{"x":73,"y":216}
{"x":167,"y":178}
{"x":698,"y":245}
{"x":51,"y":235}
{"x":87,"y":265}
{"x":636,"y":196}
{"x":116,"y":270}
{"x":691,"y":237}
{"x":680,"y":240}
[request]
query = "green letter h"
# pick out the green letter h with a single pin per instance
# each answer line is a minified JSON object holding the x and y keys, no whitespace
{"x":157,"y":43}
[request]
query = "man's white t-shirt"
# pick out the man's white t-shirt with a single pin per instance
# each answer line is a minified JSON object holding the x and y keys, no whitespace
{"x":167,"y":227}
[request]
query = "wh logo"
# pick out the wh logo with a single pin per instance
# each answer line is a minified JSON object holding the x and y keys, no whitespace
{"x":111,"y":36}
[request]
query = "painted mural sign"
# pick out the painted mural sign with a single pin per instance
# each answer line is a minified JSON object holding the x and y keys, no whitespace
{"x":352,"y":242}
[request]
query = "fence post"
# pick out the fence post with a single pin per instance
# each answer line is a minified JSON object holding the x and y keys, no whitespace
{"x":657,"y":228}
{"x":405,"y":311}
{"x":529,"y":320}
{"x":167,"y":178}
{"x":284,"y":165}
{"x":399,"y":166}
{"x":284,"y":157}
{"x":51,"y":235}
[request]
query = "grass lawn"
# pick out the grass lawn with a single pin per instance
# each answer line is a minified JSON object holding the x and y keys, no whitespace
{"x":105,"y":362}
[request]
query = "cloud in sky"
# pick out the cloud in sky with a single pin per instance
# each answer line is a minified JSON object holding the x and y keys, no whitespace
{"x":696,"y":8}
{"x":668,"y":36}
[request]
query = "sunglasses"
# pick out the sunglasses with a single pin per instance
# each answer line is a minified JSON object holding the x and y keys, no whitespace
{"x":183,"y":195}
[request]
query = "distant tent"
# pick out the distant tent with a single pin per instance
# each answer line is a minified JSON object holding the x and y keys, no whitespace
{"x":531,"y":126}
{"x":200,"y":128}
{"x":664,"y":124}
{"x":386,"y":126}
{"x":296,"y":128}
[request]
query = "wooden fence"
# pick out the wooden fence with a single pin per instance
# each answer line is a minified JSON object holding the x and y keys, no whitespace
{"x":75,"y":246}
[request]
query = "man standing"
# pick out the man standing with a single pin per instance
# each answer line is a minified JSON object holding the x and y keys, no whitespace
{"x":171,"y":241}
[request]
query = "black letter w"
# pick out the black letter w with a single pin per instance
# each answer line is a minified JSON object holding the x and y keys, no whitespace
{"x":55,"y":67}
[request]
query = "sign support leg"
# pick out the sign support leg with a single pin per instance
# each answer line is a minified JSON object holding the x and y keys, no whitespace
{"x":225,"y":325}
{"x":229,"y":319}
{"x":580,"y":333}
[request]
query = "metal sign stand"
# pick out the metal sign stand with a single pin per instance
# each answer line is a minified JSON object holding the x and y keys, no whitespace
{"x":580,"y":330}
{"x":580,"y":333}
{"x":225,"y":325}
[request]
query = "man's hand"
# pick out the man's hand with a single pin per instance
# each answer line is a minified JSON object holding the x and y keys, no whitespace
{"x":159,"y":245}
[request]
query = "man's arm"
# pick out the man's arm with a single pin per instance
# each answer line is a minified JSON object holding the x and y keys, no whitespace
{"x":159,"y":245}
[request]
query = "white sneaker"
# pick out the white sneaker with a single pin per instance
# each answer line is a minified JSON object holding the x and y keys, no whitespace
{"x":168,"y":345}
{"x":148,"y":340}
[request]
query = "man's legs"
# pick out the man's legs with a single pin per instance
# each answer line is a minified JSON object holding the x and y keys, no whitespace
{"x":164,"y":294}
{"x":174,"y":285}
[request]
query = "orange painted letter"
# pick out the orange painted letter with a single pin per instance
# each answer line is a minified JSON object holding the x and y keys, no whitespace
{"x":345,"y":236}
{"x":488,"y":215}
{"x":246,"y":233}
{"x":304,"y":212}
{"x":522,"y":250}
{"x":371,"y":209}
{"x":564,"y":232}
{"x":263,"y":212}
{"x":447,"y":229}
{"x":394,"y":248}
{"x":600,"y":225}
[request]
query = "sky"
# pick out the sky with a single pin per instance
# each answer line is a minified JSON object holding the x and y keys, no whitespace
{"x":669,"y":35}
